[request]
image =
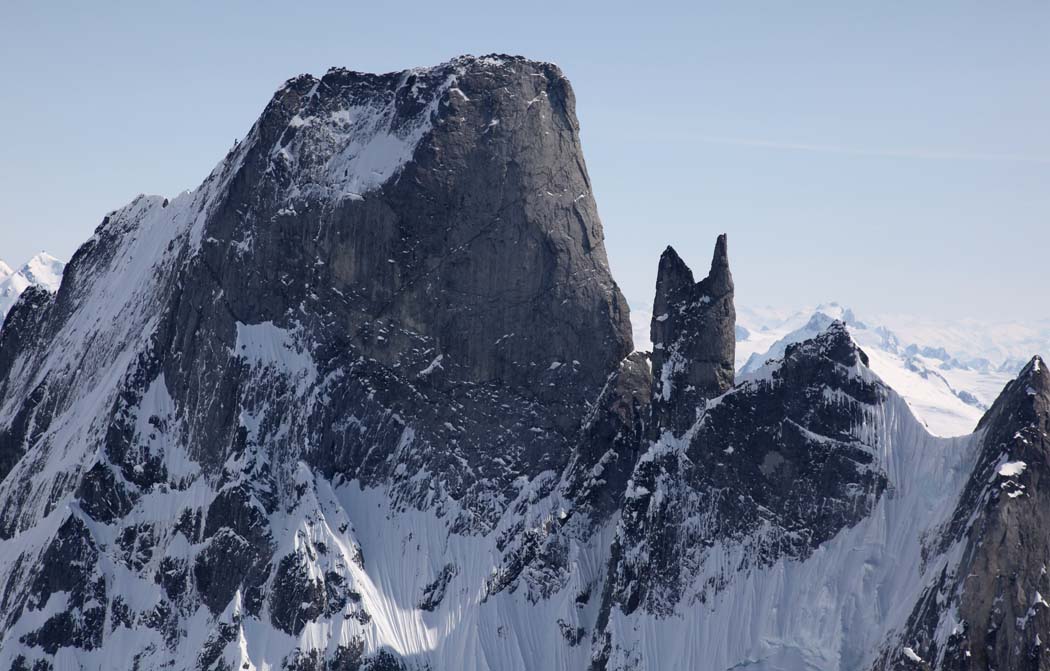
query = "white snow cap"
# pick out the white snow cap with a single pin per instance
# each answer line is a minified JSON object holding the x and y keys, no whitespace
{"x":42,"y":270}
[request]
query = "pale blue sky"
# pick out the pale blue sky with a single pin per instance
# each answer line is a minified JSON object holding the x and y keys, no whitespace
{"x":893,"y":155}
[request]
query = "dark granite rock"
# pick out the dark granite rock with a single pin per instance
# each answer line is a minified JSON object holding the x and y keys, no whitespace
{"x":694,"y":338}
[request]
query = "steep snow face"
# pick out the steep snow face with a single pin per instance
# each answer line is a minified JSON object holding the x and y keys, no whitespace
{"x":987,"y":611}
{"x":42,"y":270}
{"x":60,"y":491}
{"x":357,"y":575}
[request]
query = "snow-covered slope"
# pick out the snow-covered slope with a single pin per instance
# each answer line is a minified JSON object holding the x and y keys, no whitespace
{"x":42,"y":270}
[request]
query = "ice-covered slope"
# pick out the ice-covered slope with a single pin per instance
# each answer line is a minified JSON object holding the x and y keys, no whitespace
{"x":986,"y":610}
{"x":42,"y":270}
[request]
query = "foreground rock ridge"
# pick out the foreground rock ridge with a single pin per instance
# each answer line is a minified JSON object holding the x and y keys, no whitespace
{"x":366,"y":399}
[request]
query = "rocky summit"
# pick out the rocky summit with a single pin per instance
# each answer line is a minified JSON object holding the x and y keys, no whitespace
{"x":367,"y":399}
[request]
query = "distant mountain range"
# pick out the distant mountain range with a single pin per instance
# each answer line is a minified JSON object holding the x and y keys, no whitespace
{"x":43,"y":270}
{"x":948,"y":371}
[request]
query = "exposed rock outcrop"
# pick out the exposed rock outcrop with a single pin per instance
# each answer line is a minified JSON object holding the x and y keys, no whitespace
{"x":693,"y":334}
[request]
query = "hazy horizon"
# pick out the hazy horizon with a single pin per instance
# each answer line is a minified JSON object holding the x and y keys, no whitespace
{"x":895,"y":162}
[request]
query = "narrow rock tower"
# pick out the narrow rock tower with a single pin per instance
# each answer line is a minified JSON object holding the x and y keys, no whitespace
{"x":693,"y":338}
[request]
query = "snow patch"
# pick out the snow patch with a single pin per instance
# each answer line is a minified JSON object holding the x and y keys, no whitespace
{"x":913,"y":656}
{"x":1011,"y":469}
{"x":432,"y":366}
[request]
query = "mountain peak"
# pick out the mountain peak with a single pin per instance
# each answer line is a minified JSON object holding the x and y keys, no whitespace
{"x":720,"y":258}
{"x":837,"y":344}
{"x":693,"y":335}
{"x":719,"y":279}
{"x":43,"y":269}
{"x":674,"y":279}
{"x":1025,"y":399}
{"x":1036,"y":374}
{"x":350,"y":133}
{"x":673,"y":276}
{"x":462,"y":62}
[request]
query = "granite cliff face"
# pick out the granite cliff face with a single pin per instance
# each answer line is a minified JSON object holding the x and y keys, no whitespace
{"x":366,"y":399}
{"x":693,"y":336}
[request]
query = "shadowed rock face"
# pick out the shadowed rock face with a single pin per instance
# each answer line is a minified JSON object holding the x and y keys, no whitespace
{"x":693,"y":334}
